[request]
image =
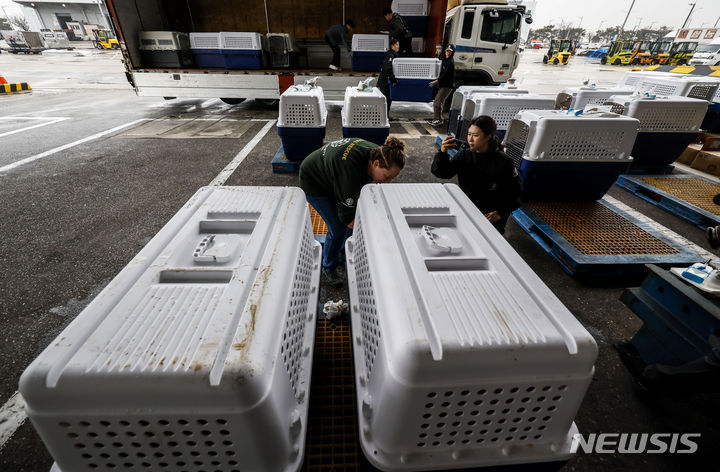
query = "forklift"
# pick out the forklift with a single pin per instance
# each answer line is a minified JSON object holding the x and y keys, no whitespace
{"x":681,"y":53}
{"x":622,"y":52}
{"x":656,"y":53}
{"x":105,"y":39}
{"x":559,"y":52}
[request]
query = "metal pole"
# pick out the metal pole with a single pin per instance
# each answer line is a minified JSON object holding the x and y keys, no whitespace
{"x":688,"y":17}
{"x":626,"y":18}
{"x":716,"y":22}
{"x":267,"y":18}
{"x":102,"y":14}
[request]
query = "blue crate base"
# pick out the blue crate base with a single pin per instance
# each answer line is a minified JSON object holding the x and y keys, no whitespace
{"x":604,"y":267}
{"x":711,"y":122}
{"x":374,"y":135}
{"x":211,"y":58}
{"x":299,"y":142}
{"x":413,"y":90}
{"x":657,"y":149}
{"x":365,"y":61}
{"x":417,"y":24}
{"x":568,"y":181}
{"x":281,"y":165}
{"x":243,"y":59}
{"x":681,"y":208}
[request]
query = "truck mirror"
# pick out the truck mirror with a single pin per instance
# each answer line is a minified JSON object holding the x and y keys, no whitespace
{"x":528,"y":20}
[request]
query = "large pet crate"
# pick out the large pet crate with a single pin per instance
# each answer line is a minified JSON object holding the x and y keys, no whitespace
{"x":463,"y":356}
{"x":302,"y":120}
{"x":283,"y":50}
{"x":198,"y":355}
{"x":569,"y":156}
{"x":364,"y":115}
{"x":502,"y":108}
{"x":165,"y":49}
{"x":415,"y":13}
{"x":685,"y":86}
{"x":243,"y":50}
{"x":414,"y":75}
{"x":206,"y":50}
{"x":464,"y":92}
{"x":667,"y":125}
{"x":368,"y":52}
{"x":579,"y":97}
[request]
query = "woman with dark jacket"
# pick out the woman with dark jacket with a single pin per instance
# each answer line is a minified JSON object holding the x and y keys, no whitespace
{"x":485,"y":173}
{"x":386,"y":73}
{"x":445,"y":83}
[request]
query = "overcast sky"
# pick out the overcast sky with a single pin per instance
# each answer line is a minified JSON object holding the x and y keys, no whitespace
{"x":670,"y":13}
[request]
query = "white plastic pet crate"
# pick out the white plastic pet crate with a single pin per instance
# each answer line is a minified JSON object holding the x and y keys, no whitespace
{"x":198,"y":355}
{"x":242,"y":40}
{"x":410,"y":7}
{"x":503,"y":107}
{"x":416,"y":68}
{"x":418,"y":45}
{"x":463,"y":356}
{"x":459,"y":119}
{"x":630,"y":79}
{"x":370,"y":42}
{"x":205,"y":40}
{"x":164,"y":41}
{"x":364,"y":109}
{"x":661,"y":113}
{"x":693,"y":87}
{"x":302,"y":106}
{"x":578,"y":97}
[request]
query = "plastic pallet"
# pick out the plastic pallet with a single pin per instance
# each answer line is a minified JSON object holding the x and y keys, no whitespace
{"x":700,"y":190}
{"x":318,"y":225}
{"x":282,"y":165}
{"x":587,"y":253}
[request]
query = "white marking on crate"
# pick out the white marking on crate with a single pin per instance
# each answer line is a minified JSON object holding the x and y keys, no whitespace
{"x":42,"y":155}
{"x":12,"y":415}
{"x":672,"y":235}
{"x":52,"y":121}
{"x":230,"y":168}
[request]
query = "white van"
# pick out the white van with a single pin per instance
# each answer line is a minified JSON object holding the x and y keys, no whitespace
{"x":707,"y":54}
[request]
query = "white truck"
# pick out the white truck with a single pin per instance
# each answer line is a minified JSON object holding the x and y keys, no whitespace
{"x":485,"y":33}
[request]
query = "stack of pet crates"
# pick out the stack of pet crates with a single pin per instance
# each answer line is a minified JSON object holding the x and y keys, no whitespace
{"x":165,"y":49}
{"x":206,"y":50}
{"x":415,"y":13}
{"x":368,"y":52}
{"x":502,"y":108}
{"x":414,"y":76}
{"x":243,"y":50}
{"x":302,"y":120}
{"x":463,"y":93}
{"x":364,"y":114}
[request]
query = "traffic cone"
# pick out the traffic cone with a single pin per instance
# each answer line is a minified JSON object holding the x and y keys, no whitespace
{"x":2,"y":80}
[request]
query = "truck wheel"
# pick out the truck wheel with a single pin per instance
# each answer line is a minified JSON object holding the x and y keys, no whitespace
{"x":635,"y":62}
{"x":681,"y":62}
{"x":116,"y":46}
{"x":232,"y":101}
{"x":268,"y":102}
{"x":616,"y":62}
{"x":655,"y":62}
{"x":603,"y":60}
{"x":556,"y":61}
{"x":545,"y":59}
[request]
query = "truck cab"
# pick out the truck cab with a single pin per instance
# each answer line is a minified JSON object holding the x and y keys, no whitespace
{"x":707,"y":54}
{"x":486,"y":36}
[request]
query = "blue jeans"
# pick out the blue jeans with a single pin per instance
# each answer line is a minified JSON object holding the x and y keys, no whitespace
{"x":337,"y":233}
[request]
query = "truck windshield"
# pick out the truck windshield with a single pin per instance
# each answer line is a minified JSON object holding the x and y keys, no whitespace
{"x":708,"y":48}
{"x":501,"y":29}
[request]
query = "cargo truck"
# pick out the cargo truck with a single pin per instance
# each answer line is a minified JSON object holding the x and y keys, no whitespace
{"x":485,"y":33}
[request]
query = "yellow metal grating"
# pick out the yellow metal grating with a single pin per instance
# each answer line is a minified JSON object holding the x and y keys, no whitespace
{"x":694,"y":190}
{"x":318,"y":223}
{"x":594,"y":229}
{"x":332,"y":443}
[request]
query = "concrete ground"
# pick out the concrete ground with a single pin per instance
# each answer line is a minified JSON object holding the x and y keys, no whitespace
{"x":98,"y":171}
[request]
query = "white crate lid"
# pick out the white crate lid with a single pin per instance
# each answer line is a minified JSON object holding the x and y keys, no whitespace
{"x":661,"y":113}
{"x":503,"y":107}
{"x":364,"y":109}
{"x":555,"y":135}
{"x":164,"y":40}
{"x":416,"y":68}
{"x":629,"y":79}
{"x":205,"y":40}
{"x":464,"y":91}
{"x":370,"y":42}
{"x":578,"y":97}
{"x":472,"y":309}
{"x":302,"y":106}
{"x":241,"y":40}
{"x":410,"y":7}
{"x":694,"y":87}
{"x":186,"y":324}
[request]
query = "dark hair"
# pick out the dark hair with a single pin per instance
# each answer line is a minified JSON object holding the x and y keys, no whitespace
{"x":391,"y":154}
{"x":486,"y":124}
{"x":350,"y":23}
{"x":387,"y":10}
{"x":394,"y":41}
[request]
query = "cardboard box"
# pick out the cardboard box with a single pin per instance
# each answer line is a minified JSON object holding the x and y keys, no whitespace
{"x":701,"y":138}
{"x":711,"y":143}
{"x":689,"y":154}
{"x":707,"y":161}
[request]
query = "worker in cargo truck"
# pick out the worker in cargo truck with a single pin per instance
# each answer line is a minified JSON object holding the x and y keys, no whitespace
{"x":335,"y":37}
{"x":332,"y":178}
{"x":445,"y":83}
{"x":386,"y":73}
{"x":399,"y":30}
{"x":485,"y":173}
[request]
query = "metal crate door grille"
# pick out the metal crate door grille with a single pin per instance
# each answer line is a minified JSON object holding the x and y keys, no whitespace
{"x":366,"y":295}
{"x":670,"y":118}
{"x":516,"y":140}
{"x":239,"y":42}
{"x":703,"y":92}
{"x":414,"y":71}
{"x":294,"y":334}
{"x":488,"y":417}
{"x":206,"y":42}
{"x":576,"y":144}
{"x":151,"y":444}
{"x":504,"y":114}
{"x":300,"y":114}
{"x":371,"y":44}
{"x":659,"y":89}
{"x":366,"y":114}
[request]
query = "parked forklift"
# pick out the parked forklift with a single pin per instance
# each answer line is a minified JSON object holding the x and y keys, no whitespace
{"x":656,"y":53}
{"x":681,"y":53}
{"x":622,"y":52}
{"x":559,"y":52}
{"x":105,"y":39}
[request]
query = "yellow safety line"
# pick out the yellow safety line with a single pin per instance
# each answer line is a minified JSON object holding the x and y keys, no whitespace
{"x":683,"y":69}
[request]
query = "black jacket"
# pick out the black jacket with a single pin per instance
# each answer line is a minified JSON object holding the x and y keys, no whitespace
{"x":398,"y":28}
{"x":336,"y":35}
{"x":489,"y":179}
{"x":446,"y":79}
{"x":387,"y":70}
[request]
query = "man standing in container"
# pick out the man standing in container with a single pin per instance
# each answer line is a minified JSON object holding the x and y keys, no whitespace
{"x":335,"y":36}
{"x":399,"y":30}
{"x":386,"y":73}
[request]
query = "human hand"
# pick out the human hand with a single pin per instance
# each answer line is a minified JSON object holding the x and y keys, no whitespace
{"x":493,"y":216}
{"x":433,"y":83}
{"x":448,"y":143}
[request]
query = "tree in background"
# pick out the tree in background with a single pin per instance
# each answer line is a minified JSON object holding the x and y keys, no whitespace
{"x":546,"y":33}
{"x":19,"y":21}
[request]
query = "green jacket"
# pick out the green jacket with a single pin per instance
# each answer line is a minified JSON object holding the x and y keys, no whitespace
{"x":338,"y":170}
